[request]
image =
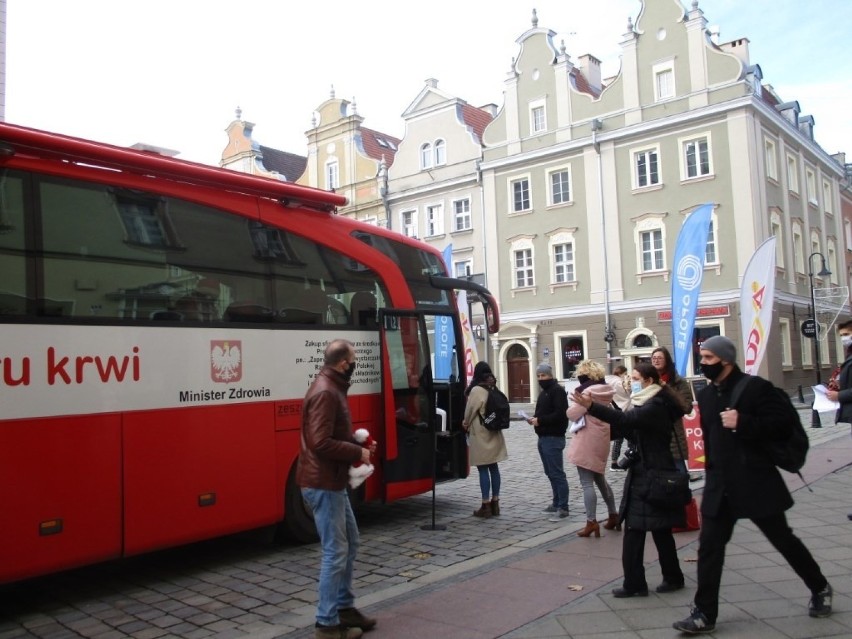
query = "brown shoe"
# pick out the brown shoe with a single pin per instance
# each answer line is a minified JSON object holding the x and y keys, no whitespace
{"x":495,"y":507}
{"x":483,"y":511}
{"x":336,"y":632}
{"x":592,"y":526}
{"x":354,"y":618}
{"x":612,"y":522}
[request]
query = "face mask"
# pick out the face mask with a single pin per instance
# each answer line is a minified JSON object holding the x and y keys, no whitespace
{"x":349,"y":370}
{"x":546,"y":383}
{"x":635,"y":387}
{"x":582,"y":378}
{"x":712,"y":371}
{"x":846,"y":340}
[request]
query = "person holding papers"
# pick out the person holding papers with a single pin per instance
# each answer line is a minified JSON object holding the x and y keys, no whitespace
{"x":843,"y":393}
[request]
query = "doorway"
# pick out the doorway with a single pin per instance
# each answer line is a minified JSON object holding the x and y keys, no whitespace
{"x":518,"y":368}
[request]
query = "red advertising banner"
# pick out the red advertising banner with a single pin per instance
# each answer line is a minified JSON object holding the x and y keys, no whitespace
{"x":694,"y":439}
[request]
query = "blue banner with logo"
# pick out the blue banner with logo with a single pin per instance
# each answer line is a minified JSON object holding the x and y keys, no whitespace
{"x":444,"y":334}
{"x":688,"y":270}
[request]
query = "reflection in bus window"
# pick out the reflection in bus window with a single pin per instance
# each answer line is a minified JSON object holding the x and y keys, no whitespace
{"x":13,"y":298}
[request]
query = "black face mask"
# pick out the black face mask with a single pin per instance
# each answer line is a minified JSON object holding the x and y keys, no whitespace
{"x":546,"y":383}
{"x":349,"y":370}
{"x":712,"y":371}
{"x":582,"y":378}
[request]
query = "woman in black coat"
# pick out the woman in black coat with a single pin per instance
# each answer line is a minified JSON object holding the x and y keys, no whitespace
{"x":648,"y":425}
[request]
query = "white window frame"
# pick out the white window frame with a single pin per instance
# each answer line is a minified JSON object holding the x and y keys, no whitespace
{"x":652,"y":155}
{"x":712,"y":241}
{"x":332,"y":174}
{"x":440,"y":152}
{"x":798,"y":248}
{"x":816,"y":247}
{"x":562,"y":237}
{"x":511,"y":184}
{"x":776,"y":228}
{"x":434,"y":219}
{"x":685,"y":146}
{"x":538,"y":117}
{"x":810,"y":185}
{"x":648,"y":224}
{"x":522,"y":245}
{"x":464,"y":215}
{"x":426,"y":155}
{"x":786,"y":343}
{"x":792,"y":174}
{"x":847,"y":233}
{"x":463,"y":268}
{"x":664,"y":81}
{"x":770,"y":158}
{"x":409,"y":229}
{"x":831,"y":258}
{"x":551,"y":194}
{"x":826,"y":198}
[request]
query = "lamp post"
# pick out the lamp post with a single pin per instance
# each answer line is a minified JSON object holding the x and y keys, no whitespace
{"x":824,"y":272}
{"x":609,"y":334}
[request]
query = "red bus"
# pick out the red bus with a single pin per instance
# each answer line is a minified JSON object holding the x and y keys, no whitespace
{"x":161,"y":321}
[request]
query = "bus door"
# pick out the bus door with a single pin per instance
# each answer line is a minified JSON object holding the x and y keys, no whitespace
{"x":419,"y":444}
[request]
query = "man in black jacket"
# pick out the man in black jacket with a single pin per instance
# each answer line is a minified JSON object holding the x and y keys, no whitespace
{"x":742,"y":482}
{"x":551,"y":422}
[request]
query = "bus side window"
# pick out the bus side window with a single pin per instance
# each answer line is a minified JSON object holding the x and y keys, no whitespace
{"x":362,"y":309}
{"x":247,"y":312}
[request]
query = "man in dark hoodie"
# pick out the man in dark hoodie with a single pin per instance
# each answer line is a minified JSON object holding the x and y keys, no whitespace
{"x":551,"y":422}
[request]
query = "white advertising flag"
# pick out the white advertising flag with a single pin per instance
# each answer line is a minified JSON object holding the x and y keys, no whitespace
{"x":470,"y":357}
{"x":756,"y":297}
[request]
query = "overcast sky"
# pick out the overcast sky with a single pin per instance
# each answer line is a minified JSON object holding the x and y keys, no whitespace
{"x":172,"y":72}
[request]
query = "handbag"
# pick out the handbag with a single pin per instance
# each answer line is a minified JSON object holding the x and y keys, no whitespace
{"x":668,"y":489}
{"x":693,"y":518}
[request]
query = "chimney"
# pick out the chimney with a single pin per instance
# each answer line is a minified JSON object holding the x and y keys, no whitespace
{"x":490,"y":108}
{"x":738,"y":48}
{"x":590,"y":67}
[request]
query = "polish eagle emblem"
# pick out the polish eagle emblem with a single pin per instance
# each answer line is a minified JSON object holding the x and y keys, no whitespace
{"x":226,"y":361}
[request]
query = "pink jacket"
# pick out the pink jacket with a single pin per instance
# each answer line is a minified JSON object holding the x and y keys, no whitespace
{"x":589,"y":447}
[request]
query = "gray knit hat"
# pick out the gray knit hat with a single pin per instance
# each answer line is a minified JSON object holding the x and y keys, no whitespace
{"x":721,"y":347}
{"x":544,"y":369}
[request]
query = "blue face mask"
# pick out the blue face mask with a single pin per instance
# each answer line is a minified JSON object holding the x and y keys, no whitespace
{"x":635,"y":387}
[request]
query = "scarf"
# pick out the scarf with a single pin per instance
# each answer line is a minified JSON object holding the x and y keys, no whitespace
{"x":638,"y":399}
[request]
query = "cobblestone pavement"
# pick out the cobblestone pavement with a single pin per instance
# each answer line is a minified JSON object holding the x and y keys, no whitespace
{"x":244,"y":585}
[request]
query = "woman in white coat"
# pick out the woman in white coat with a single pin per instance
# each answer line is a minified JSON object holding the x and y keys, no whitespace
{"x":487,"y":447}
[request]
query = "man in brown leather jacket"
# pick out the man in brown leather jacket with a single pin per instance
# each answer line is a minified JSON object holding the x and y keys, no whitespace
{"x":327,"y":450}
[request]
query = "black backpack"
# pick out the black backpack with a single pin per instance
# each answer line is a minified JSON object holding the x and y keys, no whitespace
{"x":497,"y":411}
{"x":790,"y":454}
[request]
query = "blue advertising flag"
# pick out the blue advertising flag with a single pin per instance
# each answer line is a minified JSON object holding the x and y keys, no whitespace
{"x":688,"y":271}
{"x":444,"y":337}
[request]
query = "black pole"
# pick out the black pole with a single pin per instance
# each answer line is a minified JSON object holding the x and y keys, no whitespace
{"x":433,"y":525}
{"x":815,"y":419}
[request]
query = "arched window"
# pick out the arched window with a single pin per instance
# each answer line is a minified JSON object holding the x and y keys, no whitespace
{"x":440,"y":152}
{"x":426,"y":156}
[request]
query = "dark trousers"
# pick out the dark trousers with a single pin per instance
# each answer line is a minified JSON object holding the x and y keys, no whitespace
{"x":716,"y":533}
{"x":633,"y":558}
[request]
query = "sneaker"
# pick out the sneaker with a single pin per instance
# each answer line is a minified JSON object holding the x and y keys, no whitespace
{"x":549,"y":509}
{"x":354,"y":618}
{"x":820,"y":604}
{"x":695,"y":624}
{"x":558,"y":515}
{"x":336,"y":632}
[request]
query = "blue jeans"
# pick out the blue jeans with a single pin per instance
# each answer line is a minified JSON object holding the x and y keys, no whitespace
{"x":550,"y":449}
{"x":339,"y":539}
{"x":489,"y":481}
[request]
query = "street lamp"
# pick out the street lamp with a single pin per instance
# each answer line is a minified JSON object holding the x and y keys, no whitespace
{"x":824,"y":272}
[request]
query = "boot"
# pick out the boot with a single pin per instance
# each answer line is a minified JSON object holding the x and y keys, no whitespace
{"x":483,"y":511}
{"x":592,"y":526}
{"x":495,"y":507}
{"x":612,"y":522}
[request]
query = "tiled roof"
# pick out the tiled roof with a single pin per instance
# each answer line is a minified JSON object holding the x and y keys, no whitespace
{"x":476,"y":119}
{"x":377,"y":144}
{"x":769,"y":97}
{"x":582,"y":84}
{"x":290,"y":165}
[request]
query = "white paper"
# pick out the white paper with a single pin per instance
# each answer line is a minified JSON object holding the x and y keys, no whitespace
{"x":823,"y":404}
{"x":578,"y":425}
{"x":523,"y":415}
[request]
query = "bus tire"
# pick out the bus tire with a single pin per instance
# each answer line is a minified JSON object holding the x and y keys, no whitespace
{"x":298,"y":524}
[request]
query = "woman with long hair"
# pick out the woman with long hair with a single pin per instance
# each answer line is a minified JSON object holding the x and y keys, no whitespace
{"x":589,"y":447}
{"x":648,"y":425}
{"x":662,"y":360}
{"x":487,"y":447}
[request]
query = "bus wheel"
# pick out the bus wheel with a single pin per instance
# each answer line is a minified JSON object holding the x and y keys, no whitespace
{"x":298,"y":524}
